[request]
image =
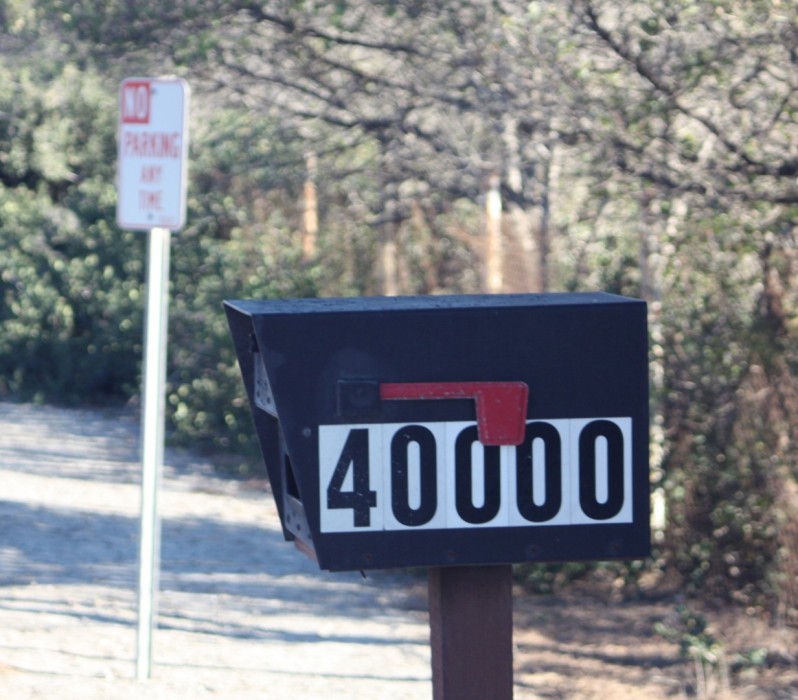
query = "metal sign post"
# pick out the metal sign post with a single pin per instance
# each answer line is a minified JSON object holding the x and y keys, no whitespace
{"x":151,"y":182}
{"x":152,"y":440}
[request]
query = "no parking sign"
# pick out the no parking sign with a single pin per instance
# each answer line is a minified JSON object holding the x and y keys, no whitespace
{"x":153,"y":148}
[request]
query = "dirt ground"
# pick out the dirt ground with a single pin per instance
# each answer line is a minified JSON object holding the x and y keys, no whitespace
{"x":241,"y":614}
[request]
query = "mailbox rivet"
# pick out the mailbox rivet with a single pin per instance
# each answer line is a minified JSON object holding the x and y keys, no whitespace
{"x":450,"y":555}
{"x":306,"y":432}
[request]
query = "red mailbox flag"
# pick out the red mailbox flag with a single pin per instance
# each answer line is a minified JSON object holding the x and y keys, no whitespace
{"x":501,"y":406}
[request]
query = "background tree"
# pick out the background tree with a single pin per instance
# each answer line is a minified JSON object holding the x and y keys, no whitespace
{"x":69,"y":280}
{"x":643,"y":148}
{"x":710,"y":127}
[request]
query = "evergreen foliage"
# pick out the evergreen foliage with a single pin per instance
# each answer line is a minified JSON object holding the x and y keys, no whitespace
{"x":642,"y":148}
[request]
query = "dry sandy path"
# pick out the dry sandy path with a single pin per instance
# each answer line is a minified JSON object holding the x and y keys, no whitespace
{"x":242,"y":614}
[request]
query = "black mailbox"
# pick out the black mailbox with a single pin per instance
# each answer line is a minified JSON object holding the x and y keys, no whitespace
{"x":460,"y":430}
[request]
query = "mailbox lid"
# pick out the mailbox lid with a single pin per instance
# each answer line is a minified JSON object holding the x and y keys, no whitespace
{"x":571,"y":349}
{"x":422,"y":303}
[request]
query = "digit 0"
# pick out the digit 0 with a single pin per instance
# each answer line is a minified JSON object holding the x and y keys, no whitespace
{"x":612,"y":442}
{"x":552,"y":470}
{"x":464,"y":479}
{"x":400,"y":477}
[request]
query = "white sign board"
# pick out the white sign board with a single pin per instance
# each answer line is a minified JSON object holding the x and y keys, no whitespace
{"x":153,"y":148}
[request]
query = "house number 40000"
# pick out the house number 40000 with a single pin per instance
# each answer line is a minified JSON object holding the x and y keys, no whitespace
{"x":438,"y":475}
